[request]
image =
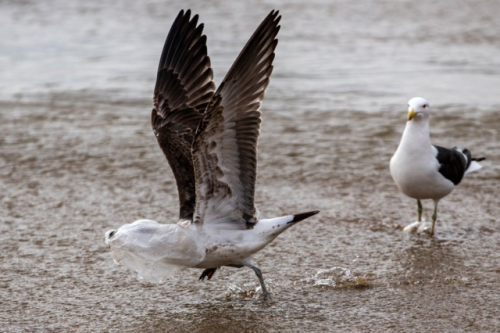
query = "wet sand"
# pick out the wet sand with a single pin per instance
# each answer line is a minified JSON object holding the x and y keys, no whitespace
{"x":78,"y":157}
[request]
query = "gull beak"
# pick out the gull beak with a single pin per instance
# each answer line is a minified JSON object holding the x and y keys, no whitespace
{"x":411,"y":114}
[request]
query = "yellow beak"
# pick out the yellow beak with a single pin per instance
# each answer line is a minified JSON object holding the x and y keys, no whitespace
{"x":411,"y":114}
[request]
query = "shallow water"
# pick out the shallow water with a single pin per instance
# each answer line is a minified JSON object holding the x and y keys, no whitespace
{"x":78,"y":157}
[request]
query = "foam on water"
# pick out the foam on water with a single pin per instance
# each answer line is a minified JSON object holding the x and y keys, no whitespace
{"x":248,"y":290}
{"x":418,"y":227}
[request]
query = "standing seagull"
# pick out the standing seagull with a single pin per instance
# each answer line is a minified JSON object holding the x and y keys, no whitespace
{"x":422,"y":170}
{"x":210,"y":141}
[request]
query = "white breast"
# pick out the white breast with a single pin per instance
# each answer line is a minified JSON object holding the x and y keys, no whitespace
{"x":414,"y":166}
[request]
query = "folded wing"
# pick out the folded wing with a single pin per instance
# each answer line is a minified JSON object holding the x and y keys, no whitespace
{"x":225,"y":146}
{"x":184,"y":87}
{"x":453,"y":164}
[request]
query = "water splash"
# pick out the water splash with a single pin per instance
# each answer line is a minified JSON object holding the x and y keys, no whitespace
{"x":418,"y":228}
{"x":248,"y":290}
{"x":336,"y":277}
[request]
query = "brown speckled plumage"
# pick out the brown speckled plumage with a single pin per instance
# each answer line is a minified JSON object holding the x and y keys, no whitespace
{"x":184,"y":87}
{"x":210,"y":138}
{"x":225,"y":146}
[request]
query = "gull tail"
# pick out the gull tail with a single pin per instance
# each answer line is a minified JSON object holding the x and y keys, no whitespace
{"x":472,"y":162}
{"x":271,"y":228}
{"x":302,"y":216}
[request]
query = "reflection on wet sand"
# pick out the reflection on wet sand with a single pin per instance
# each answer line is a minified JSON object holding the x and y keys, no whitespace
{"x":433,"y":261}
{"x":209,"y":317}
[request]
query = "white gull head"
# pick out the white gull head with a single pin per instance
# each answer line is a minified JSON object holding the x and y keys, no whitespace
{"x":418,"y":108}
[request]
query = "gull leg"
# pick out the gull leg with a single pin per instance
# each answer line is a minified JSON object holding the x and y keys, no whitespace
{"x":261,"y":280}
{"x":419,"y":210}
{"x":434,"y":218}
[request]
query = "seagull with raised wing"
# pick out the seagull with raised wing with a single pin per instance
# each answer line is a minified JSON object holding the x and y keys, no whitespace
{"x":209,"y":138}
{"x":425,"y":171}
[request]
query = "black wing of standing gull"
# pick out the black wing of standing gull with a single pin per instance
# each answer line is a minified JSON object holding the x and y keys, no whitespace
{"x":184,"y":87}
{"x":225,"y":146}
{"x":453,"y":163}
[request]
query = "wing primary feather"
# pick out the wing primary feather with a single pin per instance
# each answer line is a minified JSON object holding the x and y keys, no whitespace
{"x":191,"y":35}
{"x":177,"y":39}
{"x":225,"y":144}
{"x":170,"y":37}
{"x":184,"y":87}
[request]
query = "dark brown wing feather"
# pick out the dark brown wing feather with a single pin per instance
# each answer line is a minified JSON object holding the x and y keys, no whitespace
{"x":184,"y":87}
{"x":225,"y":147}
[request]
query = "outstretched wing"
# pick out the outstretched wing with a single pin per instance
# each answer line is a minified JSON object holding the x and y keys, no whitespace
{"x":225,"y":147}
{"x":184,"y":87}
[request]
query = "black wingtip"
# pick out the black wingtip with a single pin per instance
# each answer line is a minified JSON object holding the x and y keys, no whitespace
{"x":303,"y":216}
{"x":469,"y":156}
{"x":180,"y":15}
{"x":275,"y":14}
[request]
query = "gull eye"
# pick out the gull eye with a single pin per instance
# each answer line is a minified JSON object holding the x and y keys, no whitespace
{"x":425,"y":105}
{"x":112,"y":233}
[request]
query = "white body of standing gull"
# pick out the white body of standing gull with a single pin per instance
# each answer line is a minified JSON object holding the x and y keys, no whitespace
{"x":422,"y":170}
{"x":209,"y":138}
